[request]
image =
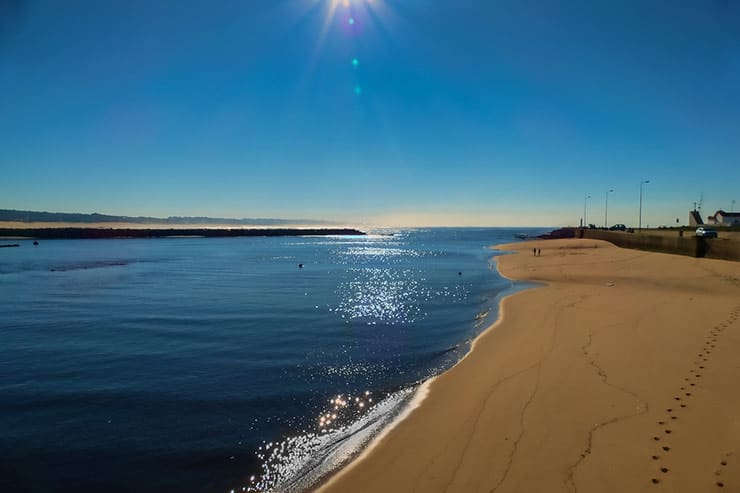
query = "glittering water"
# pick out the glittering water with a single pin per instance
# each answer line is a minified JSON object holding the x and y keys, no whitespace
{"x":217,"y":364}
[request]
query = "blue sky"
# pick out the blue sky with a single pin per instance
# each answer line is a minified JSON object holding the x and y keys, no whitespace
{"x":456,"y":113}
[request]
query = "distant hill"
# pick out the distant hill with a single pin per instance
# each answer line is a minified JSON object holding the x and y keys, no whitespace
{"x":10,"y":215}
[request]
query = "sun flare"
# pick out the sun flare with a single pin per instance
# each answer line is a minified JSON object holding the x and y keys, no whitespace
{"x":348,"y":3}
{"x":355,"y":16}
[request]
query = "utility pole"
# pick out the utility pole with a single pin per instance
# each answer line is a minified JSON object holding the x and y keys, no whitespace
{"x":606,"y":208}
{"x":584,"y":210}
{"x":639,"y":227}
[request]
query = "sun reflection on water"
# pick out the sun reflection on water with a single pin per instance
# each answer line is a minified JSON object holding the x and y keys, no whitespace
{"x":381,"y":295}
{"x":346,"y":422}
{"x":381,"y":281}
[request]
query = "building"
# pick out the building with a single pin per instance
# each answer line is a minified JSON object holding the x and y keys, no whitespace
{"x":695,"y":219}
{"x":722,"y":218}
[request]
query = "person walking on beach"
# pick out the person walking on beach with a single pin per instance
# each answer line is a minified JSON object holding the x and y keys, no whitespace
{"x":539,"y":252}
{"x":534,"y":252}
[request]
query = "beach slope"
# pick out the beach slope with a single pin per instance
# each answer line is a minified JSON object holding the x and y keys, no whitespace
{"x":621,"y":373}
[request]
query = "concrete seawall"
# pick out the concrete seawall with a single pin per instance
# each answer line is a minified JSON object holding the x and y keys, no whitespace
{"x":690,"y":245}
{"x":720,"y":249}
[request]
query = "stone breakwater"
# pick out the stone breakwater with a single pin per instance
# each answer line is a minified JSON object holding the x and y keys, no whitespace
{"x":98,"y":233}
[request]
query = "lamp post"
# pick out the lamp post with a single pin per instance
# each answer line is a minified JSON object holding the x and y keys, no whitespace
{"x":586,"y":197}
{"x":639,"y":227}
{"x":606,"y":208}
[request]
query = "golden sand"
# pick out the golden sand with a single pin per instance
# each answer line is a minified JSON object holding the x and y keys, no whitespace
{"x":621,"y":374}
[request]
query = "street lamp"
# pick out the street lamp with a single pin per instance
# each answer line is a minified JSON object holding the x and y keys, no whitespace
{"x":584,"y":210}
{"x":639,"y":227}
{"x":606,"y":208}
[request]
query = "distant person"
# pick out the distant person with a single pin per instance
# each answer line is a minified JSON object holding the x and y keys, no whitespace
{"x":534,"y":252}
{"x":539,"y":252}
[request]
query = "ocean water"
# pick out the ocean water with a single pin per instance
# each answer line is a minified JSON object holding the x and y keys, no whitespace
{"x":211,"y":365}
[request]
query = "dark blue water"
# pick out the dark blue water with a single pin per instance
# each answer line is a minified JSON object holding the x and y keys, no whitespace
{"x":201,"y":365}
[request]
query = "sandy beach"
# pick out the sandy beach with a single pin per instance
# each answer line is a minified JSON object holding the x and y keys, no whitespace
{"x":620,"y":374}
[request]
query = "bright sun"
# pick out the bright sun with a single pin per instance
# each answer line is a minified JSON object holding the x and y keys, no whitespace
{"x":347,"y":10}
{"x":348,"y":3}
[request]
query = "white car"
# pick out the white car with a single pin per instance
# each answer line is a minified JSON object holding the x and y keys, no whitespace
{"x":706,"y":233}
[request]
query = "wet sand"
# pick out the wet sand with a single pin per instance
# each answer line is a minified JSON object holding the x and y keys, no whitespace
{"x":621,"y":373}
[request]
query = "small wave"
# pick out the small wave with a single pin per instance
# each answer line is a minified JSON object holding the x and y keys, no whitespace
{"x":97,"y":264}
{"x":450,"y":349}
{"x":300,"y":462}
{"x":465,"y":344}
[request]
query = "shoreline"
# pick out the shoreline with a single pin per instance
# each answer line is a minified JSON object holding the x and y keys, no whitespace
{"x":422,"y":390}
{"x":474,"y":430}
{"x":420,"y":394}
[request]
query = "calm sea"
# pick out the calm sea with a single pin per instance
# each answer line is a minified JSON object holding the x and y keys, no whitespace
{"x":211,"y":365}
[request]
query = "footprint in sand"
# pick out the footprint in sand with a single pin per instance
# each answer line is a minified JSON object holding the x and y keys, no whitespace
{"x":709,"y":346}
{"x":718,"y":472}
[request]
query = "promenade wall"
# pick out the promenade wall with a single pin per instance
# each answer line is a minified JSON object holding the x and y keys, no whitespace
{"x":688,"y":244}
